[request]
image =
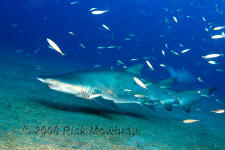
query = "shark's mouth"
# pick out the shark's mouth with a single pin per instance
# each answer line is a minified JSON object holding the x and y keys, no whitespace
{"x":52,"y":86}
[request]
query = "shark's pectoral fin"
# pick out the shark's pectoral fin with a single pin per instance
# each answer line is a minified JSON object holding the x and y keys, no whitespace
{"x":167,"y":104}
{"x":107,"y":104}
{"x":187,"y":109}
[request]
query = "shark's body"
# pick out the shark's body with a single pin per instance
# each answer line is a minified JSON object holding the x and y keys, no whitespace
{"x":120,"y":87}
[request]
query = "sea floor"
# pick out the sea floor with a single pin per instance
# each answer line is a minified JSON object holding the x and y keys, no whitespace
{"x":34,"y":117}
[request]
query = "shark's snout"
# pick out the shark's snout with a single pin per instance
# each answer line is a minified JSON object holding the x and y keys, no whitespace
{"x":44,"y":79}
{"x":61,"y":86}
{"x":41,"y":79}
{"x":49,"y":82}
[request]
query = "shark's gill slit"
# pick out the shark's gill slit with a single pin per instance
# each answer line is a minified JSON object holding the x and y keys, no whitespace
{"x":86,"y":90}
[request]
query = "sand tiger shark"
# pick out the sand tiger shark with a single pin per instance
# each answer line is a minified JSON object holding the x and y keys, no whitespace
{"x":120,"y":87}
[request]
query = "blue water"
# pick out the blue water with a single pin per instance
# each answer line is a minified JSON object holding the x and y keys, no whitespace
{"x":26,"y":24}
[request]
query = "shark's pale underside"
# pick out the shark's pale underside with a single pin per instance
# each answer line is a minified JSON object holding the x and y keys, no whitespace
{"x":120,"y":87}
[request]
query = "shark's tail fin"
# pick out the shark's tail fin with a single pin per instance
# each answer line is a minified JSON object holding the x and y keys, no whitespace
{"x":188,"y":98}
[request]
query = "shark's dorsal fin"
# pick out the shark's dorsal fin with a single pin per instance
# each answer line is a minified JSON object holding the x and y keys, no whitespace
{"x":136,"y":69}
{"x":167,"y":82}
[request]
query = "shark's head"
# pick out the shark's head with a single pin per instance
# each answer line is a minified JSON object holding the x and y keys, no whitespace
{"x":62,"y":86}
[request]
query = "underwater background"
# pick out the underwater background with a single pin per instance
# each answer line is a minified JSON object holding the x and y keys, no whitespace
{"x":138,"y":30}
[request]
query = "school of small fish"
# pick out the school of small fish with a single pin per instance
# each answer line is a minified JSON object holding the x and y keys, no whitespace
{"x":214,"y":33}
